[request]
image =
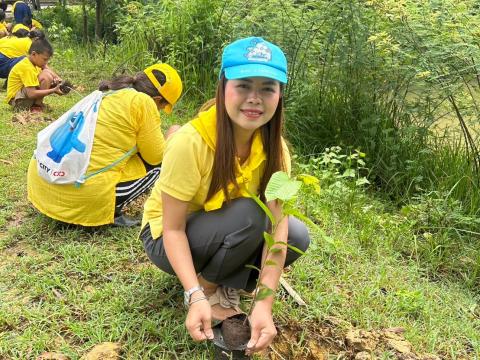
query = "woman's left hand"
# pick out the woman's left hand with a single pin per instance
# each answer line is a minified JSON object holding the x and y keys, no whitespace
{"x":262,"y":327}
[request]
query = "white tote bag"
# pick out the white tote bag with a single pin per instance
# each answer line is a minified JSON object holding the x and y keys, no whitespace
{"x":64,"y":147}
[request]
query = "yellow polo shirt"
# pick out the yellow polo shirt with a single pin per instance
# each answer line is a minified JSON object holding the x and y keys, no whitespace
{"x":187,"y":170}
{"x":23,"y":74}
{"x":3,"y":28}
{"x":36,"y":24}
{"x":12,"y":46}
{"x":126,"y":118}
{"x":20,"y":26}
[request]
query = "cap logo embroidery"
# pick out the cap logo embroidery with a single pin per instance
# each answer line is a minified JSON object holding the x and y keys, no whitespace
{"x":259,"y":52}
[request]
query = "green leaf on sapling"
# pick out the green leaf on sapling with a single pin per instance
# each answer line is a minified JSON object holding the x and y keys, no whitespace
{"x":252,"y":267}
{"x":275,"y":250}
{"x":264,"y":207}
{"x":263,"y":293}
{"x":268,"y":239}
{"x":281,"y":187}
{"x":297,"y":250}
{"x":294,"y":212}
{"x":270,"y":263}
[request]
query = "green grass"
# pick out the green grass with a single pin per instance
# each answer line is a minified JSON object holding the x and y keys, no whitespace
{"x":65,"y":289}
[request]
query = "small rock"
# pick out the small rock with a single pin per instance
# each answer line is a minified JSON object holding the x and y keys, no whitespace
{"x":363,"y":356}
{"x":361,"y":340}
{"x":316,"y":351}
{"x":407,"y":356}
{"x":52,"y":356}
{"x":104,"y":351}
{"x":401,"y":346}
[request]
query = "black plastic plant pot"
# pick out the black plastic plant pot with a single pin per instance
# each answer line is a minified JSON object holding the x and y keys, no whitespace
{"x":65,"y":86}
{"x":224,"y":350}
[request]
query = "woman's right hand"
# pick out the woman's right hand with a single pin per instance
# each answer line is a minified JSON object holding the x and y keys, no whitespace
{"x":199,"y":320}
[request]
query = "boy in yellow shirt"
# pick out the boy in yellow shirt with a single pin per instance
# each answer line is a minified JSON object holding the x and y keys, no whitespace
{"x":30,"y":80}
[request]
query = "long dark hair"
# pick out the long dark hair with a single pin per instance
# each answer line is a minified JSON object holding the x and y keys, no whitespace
{"x":224,"y":158}
{"x":36,"y":34}
{"x":139,"y":82}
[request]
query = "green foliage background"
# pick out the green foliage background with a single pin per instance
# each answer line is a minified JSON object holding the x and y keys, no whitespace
{"x":378,"y":76}
{"x":396,"y":80}
{"x":382,"y":102}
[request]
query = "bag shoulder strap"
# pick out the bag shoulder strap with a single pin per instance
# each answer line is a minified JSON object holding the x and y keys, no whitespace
{"x":84,"y":177}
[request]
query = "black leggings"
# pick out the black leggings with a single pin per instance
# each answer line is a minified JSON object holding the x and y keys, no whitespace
{"x":127,"y":191}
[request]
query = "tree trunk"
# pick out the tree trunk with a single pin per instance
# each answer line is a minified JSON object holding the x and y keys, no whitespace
{"x":98,"y":19}
{"x":85,"y":21}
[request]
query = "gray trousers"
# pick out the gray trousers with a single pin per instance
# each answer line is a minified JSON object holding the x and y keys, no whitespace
{"x":223,"y":241}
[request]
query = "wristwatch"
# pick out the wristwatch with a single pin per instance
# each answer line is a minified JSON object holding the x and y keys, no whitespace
{"x":188,"y":294}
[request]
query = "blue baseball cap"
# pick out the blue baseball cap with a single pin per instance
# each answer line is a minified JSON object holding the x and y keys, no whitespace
{"x":254,"y":56}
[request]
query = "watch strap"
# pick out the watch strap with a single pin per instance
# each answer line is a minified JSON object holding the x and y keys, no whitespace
{"x":188,"y":294}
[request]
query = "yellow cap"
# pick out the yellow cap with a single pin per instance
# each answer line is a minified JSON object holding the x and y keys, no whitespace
{"x":172,"y":89}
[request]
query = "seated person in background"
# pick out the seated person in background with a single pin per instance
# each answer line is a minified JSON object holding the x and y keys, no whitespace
{"x":36,"y":24}
{"x":127,"y":117}
{"x":3,"y":25}
{"x":30,"y":80}
{"x":20,"y":11}
{"x":26,"y":24}
{"x":21,"y":14}
{"x":14,"y":48}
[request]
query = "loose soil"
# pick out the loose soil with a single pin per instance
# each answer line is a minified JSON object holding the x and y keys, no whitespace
{"x":336,"y":338}
{"x":103,"y":351}
{"x":235,"y":332}
{"x":26,"y":117}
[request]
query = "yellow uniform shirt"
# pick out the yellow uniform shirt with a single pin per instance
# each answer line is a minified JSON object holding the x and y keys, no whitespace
{"x":3,"y":28}
{"x":13,"y":46}
{"x":126,"y":118}
{"x":36,"y":24}
{"x":20,"y":26}
{"x":23,"y":74}
{"x":187,"y":170}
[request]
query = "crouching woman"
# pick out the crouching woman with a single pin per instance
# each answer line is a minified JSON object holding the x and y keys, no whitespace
{"x":200,"y":223}
{"x":128,"y":117}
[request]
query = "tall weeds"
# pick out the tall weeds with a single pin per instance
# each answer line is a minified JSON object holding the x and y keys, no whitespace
{"x":377,"y":75}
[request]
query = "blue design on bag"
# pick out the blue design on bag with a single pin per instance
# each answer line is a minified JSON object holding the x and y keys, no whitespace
{"x":65,"y":138}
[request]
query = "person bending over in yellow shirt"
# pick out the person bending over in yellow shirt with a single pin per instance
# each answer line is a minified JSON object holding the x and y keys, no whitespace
{"x":26,"y":24}
{"x":128,"y":117}
{"x":14,"y":48}
{"x":200,"y":222}
{"x":30,"y":80}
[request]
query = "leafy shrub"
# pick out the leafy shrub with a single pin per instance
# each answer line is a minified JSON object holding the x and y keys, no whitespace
{"x":377,"y":76}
